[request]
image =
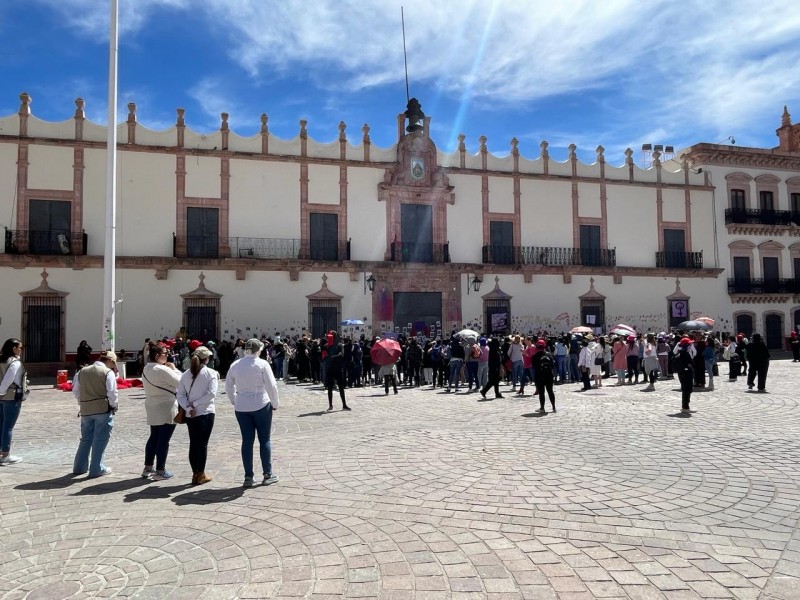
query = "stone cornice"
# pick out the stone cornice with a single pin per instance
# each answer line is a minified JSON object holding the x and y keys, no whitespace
{"x":723,"y":155}
{"x":760,"y":229}
{"x":164,"y":264}
{"x":762,"y":298}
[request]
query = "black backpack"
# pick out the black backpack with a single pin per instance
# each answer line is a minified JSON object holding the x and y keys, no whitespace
{"x":546,"y":364}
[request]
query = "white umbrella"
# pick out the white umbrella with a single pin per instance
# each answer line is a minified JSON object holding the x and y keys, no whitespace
{"x":581,"y":329}
{"x":465,"y":334}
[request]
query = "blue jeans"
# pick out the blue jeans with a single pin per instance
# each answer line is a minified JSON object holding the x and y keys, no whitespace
{"x":277,"y":366}
{"x":252,"y":423}
{"x":472,"y":374}
{"x":574,"y":374}
{"x":95,"y":433}
{"x":157,"y":445}
{"x":9,"y":412}
{"x":455,"y":372}
{"x":561,"y":367}
{"x":517,"y":373}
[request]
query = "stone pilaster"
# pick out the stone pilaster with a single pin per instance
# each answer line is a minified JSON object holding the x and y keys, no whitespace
{"x":80,"y":118}
{"x":131,"y":122}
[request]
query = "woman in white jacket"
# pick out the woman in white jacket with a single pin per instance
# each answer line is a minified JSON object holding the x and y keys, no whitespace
{"x":160,"y":379}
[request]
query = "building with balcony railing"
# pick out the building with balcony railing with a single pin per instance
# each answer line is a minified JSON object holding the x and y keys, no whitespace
{"x":294,"y":236}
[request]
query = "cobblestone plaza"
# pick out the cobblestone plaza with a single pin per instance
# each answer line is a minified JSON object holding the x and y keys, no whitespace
{"x":424,"y":495}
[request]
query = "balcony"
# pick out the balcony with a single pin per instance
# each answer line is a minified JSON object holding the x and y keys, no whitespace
{"x":52,"y":242}
{"x":679,"y":260}
{"x":421,"y":253}
{"x":750,"y":216}
{"x":764,"y":286}
{"x":549,"y":256}
{"x":259,"y":248}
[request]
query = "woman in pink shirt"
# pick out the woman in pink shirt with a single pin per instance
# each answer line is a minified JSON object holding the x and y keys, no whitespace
{"x":619,"y":360}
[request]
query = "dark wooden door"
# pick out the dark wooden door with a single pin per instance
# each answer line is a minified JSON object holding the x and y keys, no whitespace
{"x":43,"y":334}
{"x":49,"y":227}
{"x":771,"y":273}
{"x":323,"y":320}
{"x":590,"y":245}
{"x":675,"y":248}
{"x":202,"y":232}
{"x":416,"y":308}
{"x":773,"y":332}
{"x":324,"y":236}
{"x":501,"y":242}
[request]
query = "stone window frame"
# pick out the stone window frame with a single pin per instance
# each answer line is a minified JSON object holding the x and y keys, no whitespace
{"x":768,"y":183}
{"x":743,"y":248}
{"x":739,"y":181}
{"x":184,"y":202}
{"x":771,"y":249}
{"x":749,"y":313}
{"x":44,"y":295}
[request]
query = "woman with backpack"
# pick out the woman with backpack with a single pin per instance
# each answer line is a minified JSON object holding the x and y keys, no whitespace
{"x":544,"y":365}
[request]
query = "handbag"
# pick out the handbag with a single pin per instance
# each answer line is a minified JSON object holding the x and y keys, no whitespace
{"x":598,"y":360}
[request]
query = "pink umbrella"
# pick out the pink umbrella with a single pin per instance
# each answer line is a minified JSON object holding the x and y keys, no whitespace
{"x":581,"y":329}
{"x":385,"y":352}
{"x":706,"y":320}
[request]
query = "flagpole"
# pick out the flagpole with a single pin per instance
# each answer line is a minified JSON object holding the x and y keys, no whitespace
{"x":110,"y":255}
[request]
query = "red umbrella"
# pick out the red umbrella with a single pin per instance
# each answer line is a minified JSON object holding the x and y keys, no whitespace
{"x":385,"y":352}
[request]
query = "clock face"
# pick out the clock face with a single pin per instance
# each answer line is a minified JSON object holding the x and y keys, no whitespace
{"x":417,"y":168}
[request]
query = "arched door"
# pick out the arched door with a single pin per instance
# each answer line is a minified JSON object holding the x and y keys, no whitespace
{"x":773,"y":331}
{"x":744,"y":324}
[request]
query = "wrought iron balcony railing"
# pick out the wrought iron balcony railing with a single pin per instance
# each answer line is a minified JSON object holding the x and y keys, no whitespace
{"x":51,"y":242}
{"x":679,"y":260}
{"x":422,"y":253}
{"x":549,"y":256}
{"x":758,"y":216}
{"x":259,"y":248}
{"x":763,"y":286}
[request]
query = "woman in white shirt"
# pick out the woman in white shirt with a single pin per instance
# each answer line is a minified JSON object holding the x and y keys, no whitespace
{"x":251,"y":388}
{"x":196,"y":393}
{"x":13,"y":390}
{"x":160,"y":380}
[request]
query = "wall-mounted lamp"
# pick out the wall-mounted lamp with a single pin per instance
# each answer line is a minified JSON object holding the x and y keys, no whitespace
{"x":474,"y":283}
{"x":369,"y":282}
{"x":728,"y":139}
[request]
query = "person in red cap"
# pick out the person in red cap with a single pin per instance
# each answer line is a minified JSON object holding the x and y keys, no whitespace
{"x":685,"y":367}
{"x":795,"y":347}
{"x":194,"y":345}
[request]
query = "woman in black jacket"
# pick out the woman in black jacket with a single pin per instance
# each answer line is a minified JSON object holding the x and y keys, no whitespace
{"x":495,"y":359}
{"x":758,"y":357}
{"x":685,"y":366}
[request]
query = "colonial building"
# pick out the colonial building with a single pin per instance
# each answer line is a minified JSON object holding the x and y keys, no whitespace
{"x":242,"y":236}
{"x":757,"y":198}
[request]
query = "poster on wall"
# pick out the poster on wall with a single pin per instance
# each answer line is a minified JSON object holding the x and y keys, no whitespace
{"x":680,"y":309}
{"x":499,"y":322}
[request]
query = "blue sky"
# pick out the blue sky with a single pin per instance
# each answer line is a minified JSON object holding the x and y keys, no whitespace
{"x":616,"y":74}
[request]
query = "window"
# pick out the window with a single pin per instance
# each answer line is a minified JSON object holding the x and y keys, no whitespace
{"x":591,"y":253}
{"x":795,"y":206}
{"x":593,"y":314}
{"x":738,"y":201}
{"x":324,"y":236}
{"x":323,"y":317}
{"x":766,"y":200}
{"x":416,"y":230}
{"x":675,"y":248}
{"x":771,"y":274}
{"x":744,"y":324}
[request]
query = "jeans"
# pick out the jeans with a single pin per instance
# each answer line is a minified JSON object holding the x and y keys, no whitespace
{"x":157,"y":446}
{"x":561,"y":367}
{"x":472,"y":374}
{"x":277,"y":366}
{"x":387,"y":380}
{"x":199,"y":428}
{"x":517,"y":373}
{"x":252,"y":423}
{"x":455,"y":372}
{"x":709,"y":364}
{"x":9,"y":413}
{"x":95,"y":433}
{"x":483,"y":373}
{"x":574,"y":374}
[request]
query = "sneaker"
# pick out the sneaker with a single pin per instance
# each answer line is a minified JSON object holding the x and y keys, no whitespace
{"x":248,"y":482}
{"x":269,"y":479}
{"x":10,"y":459}
{"x":686,"y":410}
{"x":330,"y":409}
{"x":105,"y":471}
{"x":148,"y":473}
{"x":553,"y":409}
{"x":162,"y":475}
{"x":541,"y":411}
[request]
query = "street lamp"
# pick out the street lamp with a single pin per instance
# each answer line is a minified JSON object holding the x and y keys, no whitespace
{"x":369,"y":282}
{"x":474,"y":283}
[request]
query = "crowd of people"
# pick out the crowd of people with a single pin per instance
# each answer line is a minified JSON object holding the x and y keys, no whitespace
{"x":181,"y":380}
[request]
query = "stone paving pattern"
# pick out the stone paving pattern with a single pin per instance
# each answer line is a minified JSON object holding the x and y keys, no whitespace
{"x":424,"y":496}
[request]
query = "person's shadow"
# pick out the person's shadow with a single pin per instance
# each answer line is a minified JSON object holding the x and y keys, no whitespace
{"x":208,"y":496}
{"x":110,"y":486}
{"x":681,"y":415}
{"x":535,"y":414}
{"x":154,"y":492}
{"x":57,"y":483}
{"x":318,"y":413}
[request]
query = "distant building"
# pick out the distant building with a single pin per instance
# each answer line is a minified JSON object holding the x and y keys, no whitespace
{"x":243,"y":236}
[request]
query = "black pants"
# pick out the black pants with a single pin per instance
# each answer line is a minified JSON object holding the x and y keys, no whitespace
{"x":157,"y":446}
{"x":200,"y":428}
{"x":734,"y":367}
{"x":545,"y":383}
{"x":686,"y":377}
{"x":334,"y":375}
{"x":585,"y":378}
{"x":414,"y":371}
{"x":633,"y":367}
{"x":494,"y":381}
{"x":389,"y":379}
{"x":761,"y":372}
{"x":440,"y":376}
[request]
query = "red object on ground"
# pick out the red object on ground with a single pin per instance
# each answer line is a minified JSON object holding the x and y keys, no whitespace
{"x":122,"y":384}
{"x":385,"y":352}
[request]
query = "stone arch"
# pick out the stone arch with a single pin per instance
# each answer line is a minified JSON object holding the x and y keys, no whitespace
{"x":774,"y":330}
{"x":735,"y":182}
{"x":767,"y":192}
{"x":739,"y":326}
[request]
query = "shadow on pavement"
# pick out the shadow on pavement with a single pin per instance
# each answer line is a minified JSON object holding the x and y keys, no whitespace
{"x":209,"y":496}
{"x":56,"y":483}
{"x":318,"y":413}
{"x":155,"y":491}
{"x":681,"y":415}
{"x":111,"y":486}
{"x":535,"y":414}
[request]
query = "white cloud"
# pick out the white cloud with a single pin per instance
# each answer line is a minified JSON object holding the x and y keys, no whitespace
{"x":92,"y":17}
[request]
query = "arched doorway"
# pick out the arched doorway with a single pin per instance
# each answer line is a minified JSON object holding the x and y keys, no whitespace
{"x":744,"y":324}
{"x":773,"y":331}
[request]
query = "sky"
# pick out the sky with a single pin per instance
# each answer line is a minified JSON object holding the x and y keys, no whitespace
{"x":614,"y":73}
